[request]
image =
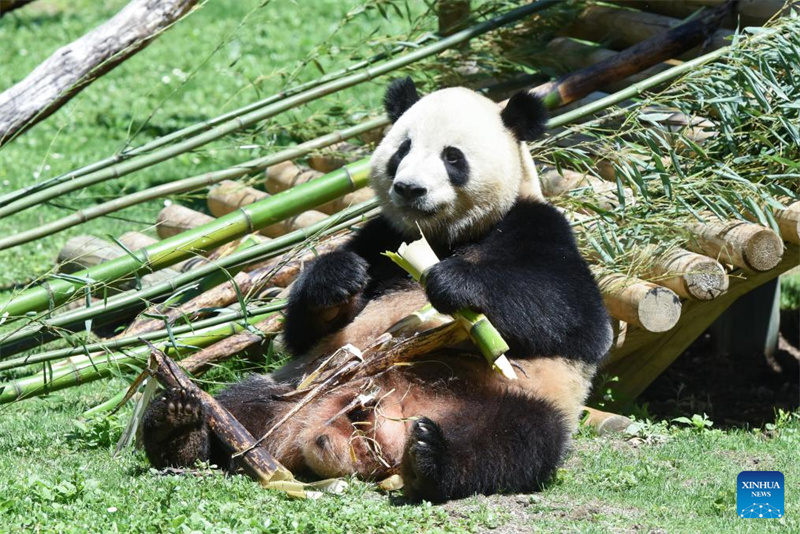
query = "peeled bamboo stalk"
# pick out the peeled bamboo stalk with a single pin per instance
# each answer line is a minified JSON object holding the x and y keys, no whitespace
{"x":621,"y":28}
{"x":741,"y":244}
{"x":176,"y":219}
{"x":287,"y":174}
{"x":789,"y":223}
{"x":256,"y":461}
{"x":253,"y":117}
{"x":690,"y":275}
{"x":640,"y":303}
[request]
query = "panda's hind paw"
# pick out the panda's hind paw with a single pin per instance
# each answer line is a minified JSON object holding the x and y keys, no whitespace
{"x":171,"y":412}
{"x":424,"y":462}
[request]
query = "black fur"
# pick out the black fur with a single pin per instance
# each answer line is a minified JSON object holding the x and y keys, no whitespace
{"x":525,"y":115}
{"x":456,"y":165}
{"x":526,"y":275}
{"x":512,"y":444}
{"x":397,"y":157}
{"x":401,"y":95}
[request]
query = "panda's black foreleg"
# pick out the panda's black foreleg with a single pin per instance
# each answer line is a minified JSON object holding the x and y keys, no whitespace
{"x":508,"y":444}
{"x":326,"y":297}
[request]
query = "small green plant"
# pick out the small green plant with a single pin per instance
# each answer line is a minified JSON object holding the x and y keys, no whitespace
{"x":98,"y":432}
{"x":699,"y":423}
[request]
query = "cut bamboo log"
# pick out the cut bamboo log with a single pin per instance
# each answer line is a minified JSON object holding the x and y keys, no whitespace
{"x":645,"y":355}
{"x":789,"y":223}
{"x":230,"y":196}
{"x":254,"y":460}
{"x":136,"y":240}
{"x":606,"y":423}
{"x":743,"y":12}
{"x":690,"y":275}
{"x":336,"y":156}
{"x":569,"y":54}
{"x":741,"y":244}
{"x":176,"y":219}
{"x":555,"y":183}
{"x":620,"y":28}
{"x":288,"y":174}
{"x":639,"y":303}
{"x":84,"y":251}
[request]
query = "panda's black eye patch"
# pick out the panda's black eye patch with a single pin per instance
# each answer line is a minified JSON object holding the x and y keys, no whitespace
{"x":456,"y":165}
{"x":397,"y":157}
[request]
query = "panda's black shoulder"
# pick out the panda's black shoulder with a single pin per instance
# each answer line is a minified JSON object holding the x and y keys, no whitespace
{"x":540,"y":222}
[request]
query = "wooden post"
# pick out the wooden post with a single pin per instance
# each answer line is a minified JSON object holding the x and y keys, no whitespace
{"x":639,"y":303}
{"x":750,"y":326}
{"x":690,"y":275}
{"x":175,"y":219}
{"x":742,"y":244}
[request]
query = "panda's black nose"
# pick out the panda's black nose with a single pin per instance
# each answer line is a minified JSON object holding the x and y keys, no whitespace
{"x":409,"y":191}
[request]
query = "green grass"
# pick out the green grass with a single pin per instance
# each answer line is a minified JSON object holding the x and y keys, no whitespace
{"x":790,"y":291}
{"x":59,"y":477}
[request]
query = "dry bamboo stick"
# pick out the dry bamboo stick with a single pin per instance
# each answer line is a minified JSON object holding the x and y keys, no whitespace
{"x":255,"y":461}
{"x":570,"y":54}
{"x":620,"y":28}
{"x":643,"y":304}
{"x":288,"y":174}
{"x":176,"y":219}
{"x":690,"y":275}
{"x":789,"y":223}
{"x":743,"y":13}
{"x":742,"y":244}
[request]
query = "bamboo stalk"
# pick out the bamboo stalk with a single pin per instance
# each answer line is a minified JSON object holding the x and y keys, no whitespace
{"x":253,"y":117}
{"x":99,"y":348}
{"x":26,"y":337}
{"x":742,"y":244}
{"x":255,"y":461}
{"x":201,"y":239}
{"x":643,"y":304}
{"x":690,"y":275}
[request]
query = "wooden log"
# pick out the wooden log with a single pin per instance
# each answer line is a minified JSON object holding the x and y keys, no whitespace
{"x":254,"y":460}
{"x":229,"y":196}
{"x":570,"y":54}
{"x":646,"y":355}
{"x":175,"y":219}
{"x":555,"y":183}
{"x":743,"y":13}
{"x":639,"y":303}
{"x":136,"y":240}
{"x":84,"y":251}
{"x":335,"y":156}
{"x":288,"y":174}
{"x":659,"y":45}
{"x":741,"y":244}
{"x":620,"y":28}
{"x":690,"y":275}
{"x":606,"y":423}
{"x":789,"y":223}
{"x":73,"y":67}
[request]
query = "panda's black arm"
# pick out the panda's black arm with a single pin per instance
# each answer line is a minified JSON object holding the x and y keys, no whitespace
{"x":529,"y":279}
{"x":335,"y":287}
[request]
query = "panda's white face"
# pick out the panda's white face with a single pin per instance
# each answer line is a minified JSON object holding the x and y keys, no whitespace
{"x":450,"y":166}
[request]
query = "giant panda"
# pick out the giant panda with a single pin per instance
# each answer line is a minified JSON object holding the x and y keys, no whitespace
{"x":455,"y":166}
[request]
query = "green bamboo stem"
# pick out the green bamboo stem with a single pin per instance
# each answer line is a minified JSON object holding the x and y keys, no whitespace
{"x":27,"y":337}
{"x":118,"y":343}
{"x":249,"y":119}
{"x":101,"y":367}
{"x":205,"y":125}
{"x":188,"y":184}
{"x":245,"y":220}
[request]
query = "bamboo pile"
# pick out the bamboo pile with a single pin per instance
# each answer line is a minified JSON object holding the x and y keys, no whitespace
{"x":214,"y":281}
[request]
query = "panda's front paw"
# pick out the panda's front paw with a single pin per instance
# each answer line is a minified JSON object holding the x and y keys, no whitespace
{"x":174,"y":430}
{"x":331,"y":280}
{"x":450,"y":286}
{"x":425,"y":463}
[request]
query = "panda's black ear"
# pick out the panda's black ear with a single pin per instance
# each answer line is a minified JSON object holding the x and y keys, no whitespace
{"x":401,"y":95}
{"x":525,"y":115}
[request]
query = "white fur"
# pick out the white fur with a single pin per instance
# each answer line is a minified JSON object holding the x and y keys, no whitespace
{"x":500,"y":167}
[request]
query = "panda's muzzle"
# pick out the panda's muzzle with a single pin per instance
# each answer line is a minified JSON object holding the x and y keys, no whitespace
{"x":409,"y":191}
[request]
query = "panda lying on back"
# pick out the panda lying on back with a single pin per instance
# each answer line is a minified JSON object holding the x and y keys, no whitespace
{"x":458,"y":167}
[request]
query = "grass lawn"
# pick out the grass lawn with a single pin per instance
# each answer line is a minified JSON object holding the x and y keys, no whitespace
{"x":56,"y":476}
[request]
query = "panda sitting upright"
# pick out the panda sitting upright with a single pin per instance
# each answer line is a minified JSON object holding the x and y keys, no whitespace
{"x":455,"y":166}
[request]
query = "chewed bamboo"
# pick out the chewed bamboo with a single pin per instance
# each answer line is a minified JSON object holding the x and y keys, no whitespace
{"x":253,"y":117}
